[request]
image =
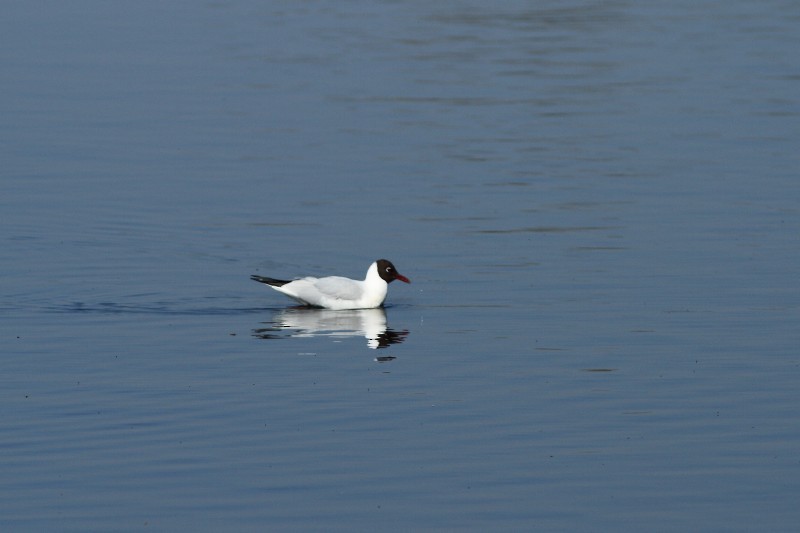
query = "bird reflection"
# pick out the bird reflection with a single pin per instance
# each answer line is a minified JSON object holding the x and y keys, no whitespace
{"x":312,"y":322}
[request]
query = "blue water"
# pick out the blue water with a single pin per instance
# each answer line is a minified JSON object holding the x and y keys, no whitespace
{"x":597,"y":203}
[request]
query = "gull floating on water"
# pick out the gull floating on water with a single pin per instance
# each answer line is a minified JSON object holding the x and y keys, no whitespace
{"x":336,"y":292}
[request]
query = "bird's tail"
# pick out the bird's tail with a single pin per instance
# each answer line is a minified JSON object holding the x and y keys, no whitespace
{"x":269,"y":281}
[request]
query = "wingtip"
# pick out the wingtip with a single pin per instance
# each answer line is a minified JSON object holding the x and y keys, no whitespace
{"x":268,"y":281}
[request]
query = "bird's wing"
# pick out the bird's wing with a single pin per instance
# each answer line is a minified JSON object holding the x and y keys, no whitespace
{"x":339,"y":288}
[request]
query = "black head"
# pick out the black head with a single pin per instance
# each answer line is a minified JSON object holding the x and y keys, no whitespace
{"x":388,"y":272}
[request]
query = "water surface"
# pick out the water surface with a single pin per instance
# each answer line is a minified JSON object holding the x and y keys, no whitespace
{"x":597,"y":204}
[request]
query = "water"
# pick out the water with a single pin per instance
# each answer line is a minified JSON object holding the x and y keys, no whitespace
{"x":597,"y":204}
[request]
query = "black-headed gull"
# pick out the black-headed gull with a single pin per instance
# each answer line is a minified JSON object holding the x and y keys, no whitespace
{"x":335,"y":292}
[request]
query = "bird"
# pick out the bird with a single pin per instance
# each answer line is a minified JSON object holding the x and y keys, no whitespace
{"x":336,"y":292}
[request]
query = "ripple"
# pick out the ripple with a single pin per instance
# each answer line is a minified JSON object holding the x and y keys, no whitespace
{"x":157,"y":308}
{"x":547,"y":229}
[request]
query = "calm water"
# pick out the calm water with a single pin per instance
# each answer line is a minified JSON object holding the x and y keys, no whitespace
{"x":598,"y":204}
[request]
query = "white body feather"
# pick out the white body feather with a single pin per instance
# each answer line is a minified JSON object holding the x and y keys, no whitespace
{"x":336,"y":292}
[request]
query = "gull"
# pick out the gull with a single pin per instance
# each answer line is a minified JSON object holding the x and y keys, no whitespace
{"x":336,"y":292}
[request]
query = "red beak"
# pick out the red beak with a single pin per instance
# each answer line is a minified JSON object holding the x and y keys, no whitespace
{"x":402,"y":278}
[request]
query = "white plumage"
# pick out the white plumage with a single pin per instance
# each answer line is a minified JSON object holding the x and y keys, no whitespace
{"x":336,"y":292}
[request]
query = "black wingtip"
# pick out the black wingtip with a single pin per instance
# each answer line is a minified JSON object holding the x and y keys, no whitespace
{"x":269,"y":281}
